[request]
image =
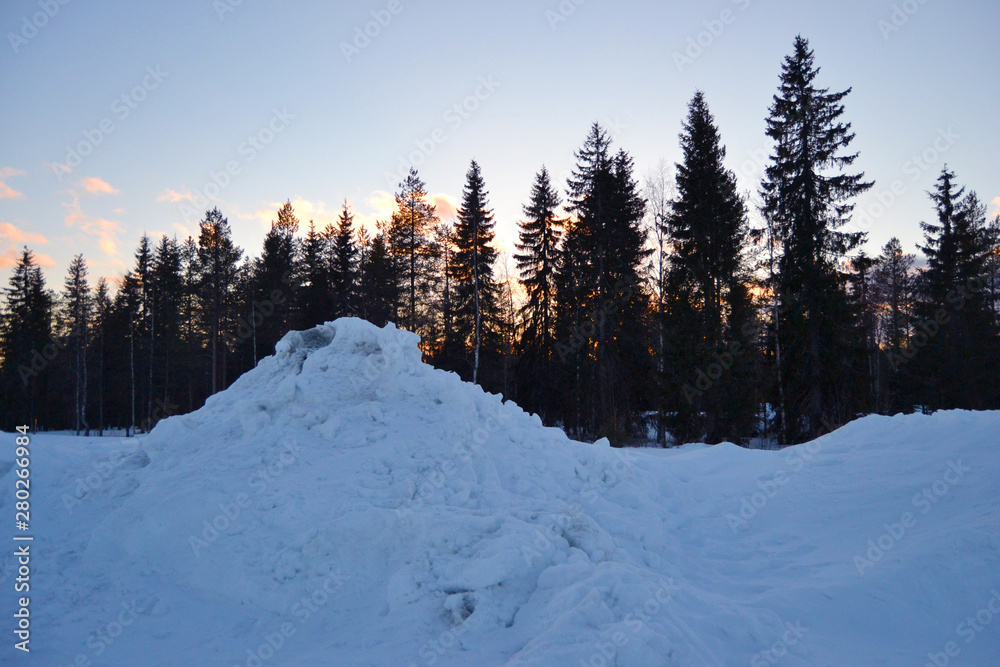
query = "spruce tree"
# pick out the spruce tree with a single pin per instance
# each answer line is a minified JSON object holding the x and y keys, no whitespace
{"x":956,"y":359}
{"x":379,"y":283}
{"x":102,"y":316}
{"x":317,"y":286}
{"x":536,"y":256}
{"x":707,"y":305}
{"x":168,"y":288}
{"x":475,"y":292}
{"x":601,"y":329}
{"x":77,"y":304}
{"x":894,"y":294}
{"x":806,"y":203}
{"x":217,"y":262}
{"x":344,"y":265}
{"x":26,"y":344}
{"x":276,"y":280}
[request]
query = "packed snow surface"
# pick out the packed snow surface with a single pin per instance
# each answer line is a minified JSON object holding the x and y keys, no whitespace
{"x":345,"y":504}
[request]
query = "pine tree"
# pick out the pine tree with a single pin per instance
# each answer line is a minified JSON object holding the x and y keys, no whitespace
{"x":102,"y":316}
{"x":601,"y":329}
{"x":707,"y":305}
{"x":379,"y":283}
{"x":536,"y":257}
{"x":959,"y":344}
{"x":168,"y":289}
{"x":26,"y":343}
{"x":217,"y":262}
{"x":76,"y":313}
{"x":475,"y":292}
{"x":276,"y":280}
{"x":408,"y":238}
{"x":806,"y":200}
{"x":344,"y":264}
{"x":317,"y":285}
{"x":894,"y":297}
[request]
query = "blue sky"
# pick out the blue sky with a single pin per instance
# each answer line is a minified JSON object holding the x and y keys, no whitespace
{"x":248,"y":103}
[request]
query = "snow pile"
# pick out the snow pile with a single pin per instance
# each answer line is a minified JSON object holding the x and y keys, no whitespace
{"x":345,"y":504}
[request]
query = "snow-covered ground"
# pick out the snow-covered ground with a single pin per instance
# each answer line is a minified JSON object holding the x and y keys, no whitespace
{"x":344,"y":504}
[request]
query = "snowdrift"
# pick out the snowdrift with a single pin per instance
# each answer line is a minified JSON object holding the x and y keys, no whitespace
{"x":345,"y":504}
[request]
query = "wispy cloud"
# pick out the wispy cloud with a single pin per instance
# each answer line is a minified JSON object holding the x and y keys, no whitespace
{"x":996,"y":200}
{"x":96,"y":186}
{"x":12,"y":233}
{"x":7,"y":192}
{"x":173,"y":196}
{"x":105,"y":231}
{"x":12,"y":238}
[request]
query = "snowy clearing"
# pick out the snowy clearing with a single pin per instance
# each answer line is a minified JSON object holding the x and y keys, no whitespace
{"x":345,"y":504}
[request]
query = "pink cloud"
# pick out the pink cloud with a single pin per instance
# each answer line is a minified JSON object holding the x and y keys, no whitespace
{"x":96,"y":186}
{"x":996,"y":200}
{"x":173,"y":196}
{"x":106,"y":231}
{"x":12,"y":238}
{"x":10,"y":257}
{"x":447,"y":206}
{"x":15,"y":235}
{"x":7,"y":192}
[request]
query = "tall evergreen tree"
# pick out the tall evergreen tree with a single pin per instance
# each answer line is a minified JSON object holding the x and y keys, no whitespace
{"x":957,"y":358}
{"x":894,"y":294}
{"x":218,"y":258}
{"x":75,"y":314}
{"x":601,"y":329}
{"x":379,"y":283}
{"x":168,"y":294}
{"x":26,"y":344}
{"x":475,"y":292}
{"x":806,"y":202}
{"x":102,"y":316}
{"x":344,"y":264}
{"x":536,"y":257}
{"x":317,"y":299}
{"x":276,"y":279}
{"x":408,"y":239}
{"x":708,"y":306}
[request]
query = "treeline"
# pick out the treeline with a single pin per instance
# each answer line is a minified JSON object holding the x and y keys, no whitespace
{"x":636,"y":312}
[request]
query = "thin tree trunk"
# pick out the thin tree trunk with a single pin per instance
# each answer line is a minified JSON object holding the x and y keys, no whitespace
{"x":475,"y":272}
